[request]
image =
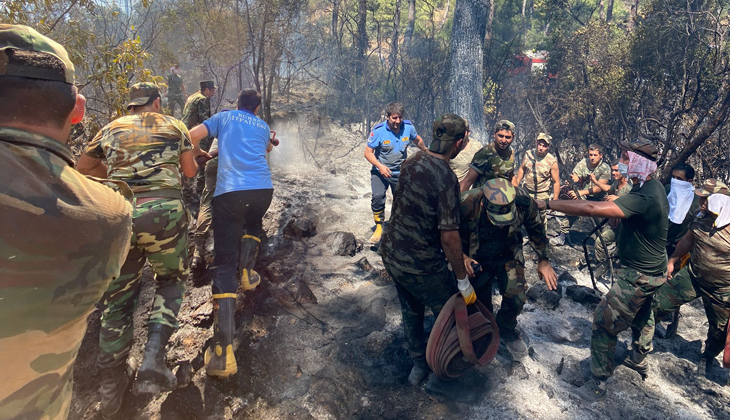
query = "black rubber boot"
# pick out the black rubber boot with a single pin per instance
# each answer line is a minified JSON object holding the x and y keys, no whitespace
{"x":246,"y":260}
{"x":219,"y":358}
{"x":114,"y":387}
{"x":453,"y":390}
{"x":154,"y":376}
{"x":637,"y":362}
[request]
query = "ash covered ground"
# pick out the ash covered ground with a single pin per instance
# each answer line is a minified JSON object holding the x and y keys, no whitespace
{"x":321,"y":338}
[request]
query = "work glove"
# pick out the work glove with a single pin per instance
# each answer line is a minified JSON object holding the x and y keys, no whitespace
{"x":466,"y":290}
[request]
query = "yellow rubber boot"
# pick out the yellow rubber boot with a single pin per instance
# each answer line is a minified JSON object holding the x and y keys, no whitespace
{"x":246,"y":259}
{"x":378,"y":216}
{"x":220,"y":361}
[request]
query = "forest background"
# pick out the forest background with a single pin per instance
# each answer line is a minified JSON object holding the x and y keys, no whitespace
{"x":616,"y":69}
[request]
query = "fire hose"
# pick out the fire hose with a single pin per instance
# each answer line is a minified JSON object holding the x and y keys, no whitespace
{"x":458,"y":337}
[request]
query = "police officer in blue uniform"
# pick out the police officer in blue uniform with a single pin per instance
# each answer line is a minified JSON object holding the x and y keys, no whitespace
{"x":387,"y":148}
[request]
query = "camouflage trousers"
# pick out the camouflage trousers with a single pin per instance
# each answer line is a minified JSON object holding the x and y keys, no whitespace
{"x":173,"y":100}
{"x":160,"y":237}
{"x":415,"y":292}
{"x":626,"y":305}
{"x":510,"y":276}
{"x":205,"y":215}
{"x":609,"y":237}
{"x":193,"y":187}
{"x":683,"y":288}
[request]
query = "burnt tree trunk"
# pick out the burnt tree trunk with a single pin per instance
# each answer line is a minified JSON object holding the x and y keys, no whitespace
{"x":396,"y":35}
{"x":408,"y":37}
{"x":467,"y":72}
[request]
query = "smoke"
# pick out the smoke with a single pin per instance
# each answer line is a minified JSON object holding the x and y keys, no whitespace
{"x":289,"y":155}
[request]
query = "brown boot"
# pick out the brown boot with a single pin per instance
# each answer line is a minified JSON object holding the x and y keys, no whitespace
{"x":114,"y":387}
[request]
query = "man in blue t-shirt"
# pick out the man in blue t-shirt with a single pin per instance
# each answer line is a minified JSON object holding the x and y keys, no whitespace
{"x":242,"y":196}
{"x":387,"y":148}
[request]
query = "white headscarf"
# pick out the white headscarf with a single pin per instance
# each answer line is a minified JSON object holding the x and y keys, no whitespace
{"x":640,"y":167}
{"x":680,"y":199}
{"x":719,"y":204}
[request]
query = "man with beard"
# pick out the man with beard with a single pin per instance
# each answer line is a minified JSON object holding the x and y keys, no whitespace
{"x":494,"y":160}
{"x":642,"y":238}
{"x":538,"y":168}
{"x":386,"y":150}
{"x":423,"y":229}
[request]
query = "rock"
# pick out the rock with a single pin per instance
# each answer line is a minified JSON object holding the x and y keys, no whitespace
{"x":280,"y":271}
{"x":566,"y":277}
{"x":343,"y":243}
{"x":541,"y":294}
{"x":294,"y":292}
{"x":364,"y":265}
{"x":301,"y":226}
{"x":583,"y":295}
{"x":560,"y":332}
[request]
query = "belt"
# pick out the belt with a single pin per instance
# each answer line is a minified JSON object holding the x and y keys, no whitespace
{"x":458,"y":336}
{"x":145,"y":196}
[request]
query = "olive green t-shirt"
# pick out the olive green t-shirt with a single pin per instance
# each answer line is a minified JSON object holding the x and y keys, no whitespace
{"x":642,"y":236}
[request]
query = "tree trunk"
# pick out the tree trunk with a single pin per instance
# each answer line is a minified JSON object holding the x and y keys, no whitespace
{"x":601,"y":14}
{"x":411,"y":24}
{"x":362,"y":35}
{"x":524,"y":19}
{"x":633,"y":12}
{"x":490,"y":20}
{"x":396,"y":34}
{"x":467,"y":79}
{"x":609,"y":11}
{"x":335,"y":17}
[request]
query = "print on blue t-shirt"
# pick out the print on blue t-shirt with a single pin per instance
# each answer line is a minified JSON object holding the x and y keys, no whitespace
{"x":391,"y":148}
{"x":242,"y":141}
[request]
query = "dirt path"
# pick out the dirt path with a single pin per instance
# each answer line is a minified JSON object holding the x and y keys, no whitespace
{"x":322,"y":339}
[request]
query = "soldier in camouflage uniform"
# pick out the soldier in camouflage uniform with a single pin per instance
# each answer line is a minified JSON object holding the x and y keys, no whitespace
{"x":147,"y":150}
{"x":539,"y":167}
{"x":197,"y":109}
{"x":491,"y":219}
{"x":63,"y":237}
{"x":425,"y":221}
{"x":706,"y":276}
{"x":619,"y":187}
{"x":494,"y":160}
{"x":175,"y":91}
{"x":588,"y":173}
{"x":642,"y":238}
{"x":205,"y":215}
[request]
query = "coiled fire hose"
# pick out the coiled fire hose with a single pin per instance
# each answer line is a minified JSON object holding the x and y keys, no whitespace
{"x":458,"y":337}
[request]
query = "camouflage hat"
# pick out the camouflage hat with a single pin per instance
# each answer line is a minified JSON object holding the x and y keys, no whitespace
{"x":23,"y":38}
{"x":499,"y":201}
{"x":447,"y":129}
{"x":505,"y":125}
{"x":641,"y":147}
{"x":140,"y":93}
{"x":712,"y":186}
{"x":207,"y":84}
{"x":545,"y":137}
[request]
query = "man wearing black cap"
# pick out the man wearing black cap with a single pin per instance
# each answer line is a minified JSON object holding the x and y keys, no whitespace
{"x":197,"y":109}
{"x":63,"y":237}
{"x":642,"y":238}
{"x":424,"y":226}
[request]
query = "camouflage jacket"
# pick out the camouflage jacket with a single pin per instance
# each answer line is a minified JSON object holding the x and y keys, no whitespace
{"x":710,"y":255}
{"x":174,"y":85}
{"x":482,"y":240}
{"x":197,"y":110}
{"x":426,"y":202}
{"x":537,"y":175}
{"x":602,"y":172}
{"x":143,"y":150}
{"x":63,"y":238}
{"x":489,"y":164}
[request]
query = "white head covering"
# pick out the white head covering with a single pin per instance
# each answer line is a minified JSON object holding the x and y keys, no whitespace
{"x":680,"y":199}
{"x":719,"y":204}
{"x":640,"y":167}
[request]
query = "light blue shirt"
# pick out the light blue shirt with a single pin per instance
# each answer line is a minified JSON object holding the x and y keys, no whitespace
{"x":242,"y":141}
{"x":390,"y":148}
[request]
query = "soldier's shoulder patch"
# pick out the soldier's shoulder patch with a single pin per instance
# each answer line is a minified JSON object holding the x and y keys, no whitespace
{"x":386,"y":142}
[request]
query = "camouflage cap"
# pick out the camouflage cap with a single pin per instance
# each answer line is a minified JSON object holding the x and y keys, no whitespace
{"x":641,"y":147}
{"x":447,"y":129}
{"x":207,"y":84}
{"x":140,"y":93}
{"x":20,"y":37}
{"x":505,"y":125}
{"x":545,"y":137}
{"x":499,"y":201}
{"x":712,"y":186}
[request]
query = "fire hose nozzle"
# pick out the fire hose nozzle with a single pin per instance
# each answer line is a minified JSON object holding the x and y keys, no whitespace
{"x":273,"y":139}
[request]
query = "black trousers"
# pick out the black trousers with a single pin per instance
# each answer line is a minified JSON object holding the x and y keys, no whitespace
{"x":235,"y":214}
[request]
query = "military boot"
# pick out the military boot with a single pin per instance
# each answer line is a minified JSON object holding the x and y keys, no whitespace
{"x":219,"y":358}
{"x":113,"y":387}
{"x":154,"y":376}
{"x":246,"y":260}
{"x":198,"y":261}
{"x":378,"y":216}
{"x":637,"y":362}
{"x":593,"y":390}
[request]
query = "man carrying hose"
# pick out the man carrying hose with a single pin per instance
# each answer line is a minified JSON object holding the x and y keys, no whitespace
{"x":424,"y":227}
{"x":491,"y":218}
